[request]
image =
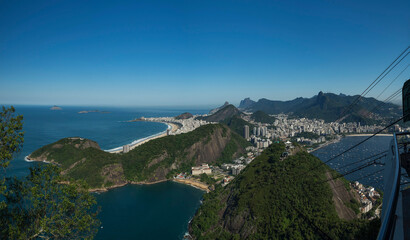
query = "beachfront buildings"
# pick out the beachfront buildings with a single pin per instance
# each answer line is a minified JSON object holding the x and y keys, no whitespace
{"x":204,"y":168}
{"x":126,"y":148}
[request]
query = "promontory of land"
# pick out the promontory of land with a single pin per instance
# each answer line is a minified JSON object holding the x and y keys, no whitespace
{"x":157,"y":160}
{"x":278,"y":197}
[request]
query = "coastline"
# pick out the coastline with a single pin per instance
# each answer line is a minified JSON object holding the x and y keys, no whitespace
{"x":193,"y":183}
{"x":369,"y":134}
{"x":189,"y":182}
{"x":326,"y":144}
{"x":350,"y":135}
{"x":171,"y":127}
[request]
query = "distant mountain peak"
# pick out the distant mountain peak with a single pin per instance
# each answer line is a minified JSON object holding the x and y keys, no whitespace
{"x":218,"y":108}
{"x":223,"y":113}
{"x":246,"y":103}
{"x":326,"y":106}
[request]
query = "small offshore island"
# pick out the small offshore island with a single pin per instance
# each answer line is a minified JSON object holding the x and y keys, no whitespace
{"x":55,"y":108}
{"x":92,"y":111}
{"x":244,"y":161}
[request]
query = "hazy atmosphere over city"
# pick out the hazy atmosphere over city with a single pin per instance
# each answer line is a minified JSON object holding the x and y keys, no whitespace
{"x":202,"y":53}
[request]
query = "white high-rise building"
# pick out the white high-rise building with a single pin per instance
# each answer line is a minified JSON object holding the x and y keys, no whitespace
{"x":246,"y":132}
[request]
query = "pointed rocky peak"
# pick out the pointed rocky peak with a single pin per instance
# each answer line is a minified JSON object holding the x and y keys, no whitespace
{"x":246,"y":103}
{"x":218,"y":108}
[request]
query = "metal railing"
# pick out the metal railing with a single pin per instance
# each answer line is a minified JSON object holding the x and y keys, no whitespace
{"x":391,"y":190}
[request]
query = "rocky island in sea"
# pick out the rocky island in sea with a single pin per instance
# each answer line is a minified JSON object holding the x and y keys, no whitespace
{"x":55,"y":108}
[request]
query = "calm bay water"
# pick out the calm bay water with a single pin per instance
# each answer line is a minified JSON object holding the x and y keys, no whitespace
{"x":159,"y":211}
{"x":371,"y":147}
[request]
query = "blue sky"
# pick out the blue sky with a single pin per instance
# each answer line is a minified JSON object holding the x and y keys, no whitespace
{"x":162,"y":53}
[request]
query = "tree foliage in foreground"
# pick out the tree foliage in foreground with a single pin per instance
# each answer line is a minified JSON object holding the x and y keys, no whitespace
{"x":42,"y":205}
{"x":11,"y":140}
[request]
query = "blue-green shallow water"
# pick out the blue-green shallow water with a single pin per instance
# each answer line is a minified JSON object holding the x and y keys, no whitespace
{"x":158,"y":211}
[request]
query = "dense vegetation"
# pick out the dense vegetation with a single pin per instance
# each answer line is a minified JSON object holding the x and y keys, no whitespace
{"x":308,"y":135}
{"x":231,"y":149}
{"x":262,"y":117}
{"x":237,"y":124}
{"x":43,"y":205}
{"x":274,"y":199}
{"x":155,"y":160}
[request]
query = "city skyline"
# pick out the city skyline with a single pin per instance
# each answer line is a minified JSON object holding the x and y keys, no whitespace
{"x":191,"y":53}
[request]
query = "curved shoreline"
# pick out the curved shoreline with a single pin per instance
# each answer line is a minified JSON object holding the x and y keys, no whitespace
{"x":139,"y":141}
{"x":351,"y":135}
{"x":194,"y":184}
{"x":171,"y":127}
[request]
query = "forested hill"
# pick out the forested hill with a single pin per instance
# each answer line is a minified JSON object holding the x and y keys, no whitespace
{"x":225,"y":112}
{"x":277,"y":199}
{"x":327,"y":106}
{"x":156,"y":160}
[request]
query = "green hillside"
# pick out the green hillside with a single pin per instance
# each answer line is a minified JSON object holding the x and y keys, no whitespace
{"x":275,"y":199}
{"x":153,"y":161}
{"x":262,"y":117}
{"x":237,"y":124}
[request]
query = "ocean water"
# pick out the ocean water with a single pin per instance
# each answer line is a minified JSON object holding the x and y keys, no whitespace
{"x":369,"y":148}
{"x":159,"y":211}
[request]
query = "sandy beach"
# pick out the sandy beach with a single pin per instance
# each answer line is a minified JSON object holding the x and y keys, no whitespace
{"x":193,"y":183}
{"x":172,"y":126}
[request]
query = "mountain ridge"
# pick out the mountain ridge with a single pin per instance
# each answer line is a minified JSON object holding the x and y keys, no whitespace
{"x":329,"y":107}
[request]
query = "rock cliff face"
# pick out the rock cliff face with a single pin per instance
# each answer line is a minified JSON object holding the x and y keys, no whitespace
{"x":246,"y":103}
{"x":156,"y":160}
